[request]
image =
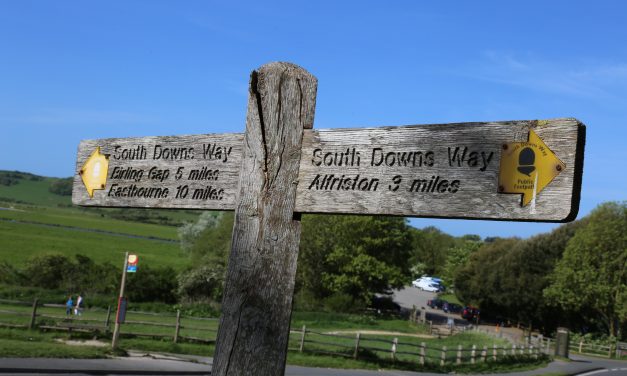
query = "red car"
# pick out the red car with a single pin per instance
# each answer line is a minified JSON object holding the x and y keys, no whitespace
{"x":470,"y":313}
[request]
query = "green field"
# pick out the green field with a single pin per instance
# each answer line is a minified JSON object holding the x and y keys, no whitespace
{"x":20,"y":241}
{"x":34,"y":220}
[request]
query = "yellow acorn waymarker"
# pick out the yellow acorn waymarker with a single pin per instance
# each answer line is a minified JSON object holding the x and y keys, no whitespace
{"x":94,"y":172}
{"x":528,"y":167}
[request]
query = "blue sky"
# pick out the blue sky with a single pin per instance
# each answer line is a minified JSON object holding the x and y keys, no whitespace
{"x":73,"y":70}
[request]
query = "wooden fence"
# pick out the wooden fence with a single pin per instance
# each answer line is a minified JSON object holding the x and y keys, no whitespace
{"x":364,"y":346}
{"x":178,"y":328}
{"x":31,"y":315}
{"x":547,"y":344}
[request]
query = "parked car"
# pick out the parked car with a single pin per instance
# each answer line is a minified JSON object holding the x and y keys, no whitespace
{"x":455,"y":308}
{"x":470,"y":313}
{"x":431,"y":284}
{"x":436,"y":303}
{"x":427,"y":285}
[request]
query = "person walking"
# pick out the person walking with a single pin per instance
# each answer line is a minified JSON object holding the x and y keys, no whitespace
{"x":68,"y":306}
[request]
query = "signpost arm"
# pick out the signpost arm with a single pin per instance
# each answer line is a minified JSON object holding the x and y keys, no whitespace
{"x":257,"y":304}
{"x":116,"y":328}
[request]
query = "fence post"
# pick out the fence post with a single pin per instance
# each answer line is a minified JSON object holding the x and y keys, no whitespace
{"x":302,"y":339}
{"x":513,"y":349}
{"x":580,"y":345}
{"x":530,"y":350}
{"x":177,"y":328}
{"x":394,"y":345}
{"x":459,"y":354}
{"x":33,"y":315}
{"x":443,"y":356}
{"x":548,"y":345}
{"x":108,"y":318}
{"x":473,"y":353}
{"x":357,"y":337}
{"x":423,"y":348}
{"x":522,"y":350}
{"x":484,"y":353}
{"x":494,"y":352}
{"x":609,"y":352}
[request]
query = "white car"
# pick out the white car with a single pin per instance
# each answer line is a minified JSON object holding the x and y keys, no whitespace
{"x":426,"y":284}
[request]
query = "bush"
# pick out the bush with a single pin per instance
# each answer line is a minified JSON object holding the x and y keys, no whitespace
{"x":62,"y":187}
{"x":201,"y":284}
{"x":9,"y":274}
{"x":48,"y":270}
{"x":152,"y":284}
{"x":340,"y":302}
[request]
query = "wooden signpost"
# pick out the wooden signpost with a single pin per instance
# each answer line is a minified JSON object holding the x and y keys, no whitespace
{"x":513,"y":170}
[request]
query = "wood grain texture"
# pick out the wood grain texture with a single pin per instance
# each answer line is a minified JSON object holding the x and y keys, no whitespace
{"x":254,"y":325}
{"x":204,"y":154}
{"x":477,"y":196}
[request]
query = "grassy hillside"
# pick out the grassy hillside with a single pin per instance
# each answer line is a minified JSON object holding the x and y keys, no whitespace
{"x":34,"y":220}
{"x":29,"y":188}
{"x":19,"y":241}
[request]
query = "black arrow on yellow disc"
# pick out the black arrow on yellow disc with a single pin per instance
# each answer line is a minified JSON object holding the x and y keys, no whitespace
{"x":528,"y":167}
{"x":94,"y":172}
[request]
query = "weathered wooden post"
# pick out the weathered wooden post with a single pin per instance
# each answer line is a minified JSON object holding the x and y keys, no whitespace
{"x":33,"y":315}
{"x":177,"y":327}
{"x":301,"y":347}
{"x":108,"y":319}
{"x":473,"y":354}
{"x":484,"y":353}
{"x":494,"y":352}
{"x":459,"y":354}
{"x":257,"y":303}
{"x":443,"y":356}
{"x":394,"y":346}
{"x":423,"y":349}
{"x":356,"y":352}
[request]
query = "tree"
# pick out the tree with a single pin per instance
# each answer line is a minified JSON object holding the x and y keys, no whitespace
{"x":62,"y":187}
{"x":189,"y":232}
{"x":593,"y":271}
{"x":48,"y":270}
{"x":430,"y":246}
{"x":207,"y":242}
{"x":353,"y":256}
{"x":478,"y":282}
{"x":458,"y":256}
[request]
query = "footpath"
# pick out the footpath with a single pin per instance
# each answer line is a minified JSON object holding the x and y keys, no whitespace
{"x":140,"y":363}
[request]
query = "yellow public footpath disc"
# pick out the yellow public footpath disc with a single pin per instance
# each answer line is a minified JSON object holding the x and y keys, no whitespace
{"x":528,"y":167}
{"x":94,"y":172}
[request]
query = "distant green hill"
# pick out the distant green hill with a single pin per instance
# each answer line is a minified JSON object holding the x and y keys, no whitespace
{"x":34,"y":220}
{"x":28,"y":188}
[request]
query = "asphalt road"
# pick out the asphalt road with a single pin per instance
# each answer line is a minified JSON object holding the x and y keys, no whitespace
{"x":145,"y":365}
{"x":412,"y":296}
